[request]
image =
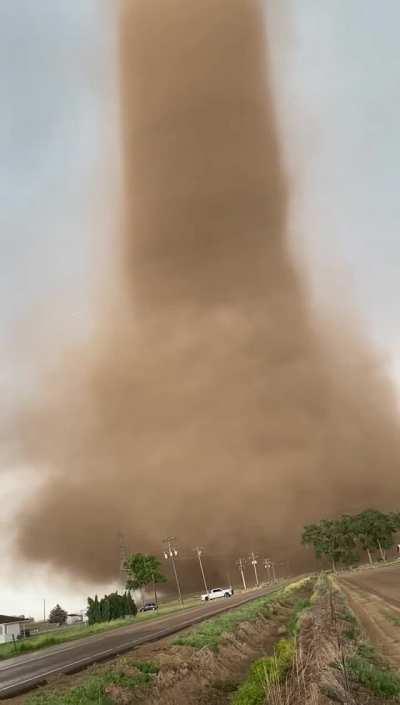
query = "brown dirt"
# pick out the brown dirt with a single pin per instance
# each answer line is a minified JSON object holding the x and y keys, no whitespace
{"x":366,"y":596}
{"x":383,"y":581}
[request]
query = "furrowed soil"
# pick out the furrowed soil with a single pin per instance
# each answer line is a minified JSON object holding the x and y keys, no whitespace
{"x":374,"y":596}
{"x":347,"y":647}
{"x":208,"y":674}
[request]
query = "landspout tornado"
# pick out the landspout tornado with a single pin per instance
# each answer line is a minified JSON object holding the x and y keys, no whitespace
{"x":211,"y":404}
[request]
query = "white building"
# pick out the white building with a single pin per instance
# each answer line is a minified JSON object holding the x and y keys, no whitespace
{"x":11,"y":628}
{"x":74,"y":619}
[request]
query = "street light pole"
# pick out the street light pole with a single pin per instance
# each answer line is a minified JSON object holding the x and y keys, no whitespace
{"x":199,"y":552}
{"x":172,"y":553}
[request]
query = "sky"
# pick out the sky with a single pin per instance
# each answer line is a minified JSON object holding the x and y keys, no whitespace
{"x":337,"y":74}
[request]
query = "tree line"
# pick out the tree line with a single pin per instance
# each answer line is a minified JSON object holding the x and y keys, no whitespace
{"x":142,"y":571}
{"x":113,"y":606}
{"x":342,"y":540}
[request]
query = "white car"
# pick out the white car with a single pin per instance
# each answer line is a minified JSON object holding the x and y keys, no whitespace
{"x":217,"y":592}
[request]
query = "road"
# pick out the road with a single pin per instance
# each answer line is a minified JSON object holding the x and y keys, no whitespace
{"x":22,"y":673}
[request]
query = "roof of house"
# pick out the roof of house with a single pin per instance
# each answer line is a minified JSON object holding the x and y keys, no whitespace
{"x":4,"y":619}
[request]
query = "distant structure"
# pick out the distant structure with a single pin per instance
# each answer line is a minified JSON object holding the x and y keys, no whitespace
{"x":11,"y":628}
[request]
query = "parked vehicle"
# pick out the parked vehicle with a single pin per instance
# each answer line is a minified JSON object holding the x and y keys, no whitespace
{"x":149,"y":607}
{"x":215,"y":593}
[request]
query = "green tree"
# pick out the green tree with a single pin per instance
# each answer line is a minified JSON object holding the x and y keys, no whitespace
{"x":110,"y":607}
{"x":105,"y":608}
{"x":143,"y":570}
{"x":130,"y":604}
{"x":332,"y":539}
{"x":58,"y":615}
{"x":376,"y":531}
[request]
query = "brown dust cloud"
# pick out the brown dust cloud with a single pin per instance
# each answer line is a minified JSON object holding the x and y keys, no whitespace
{"x":211,"y":403}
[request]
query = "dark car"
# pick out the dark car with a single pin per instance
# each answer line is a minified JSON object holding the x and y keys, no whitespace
{"x":149,"y":607}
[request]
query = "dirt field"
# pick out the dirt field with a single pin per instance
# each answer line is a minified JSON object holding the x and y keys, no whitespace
{"x":374,"y":596}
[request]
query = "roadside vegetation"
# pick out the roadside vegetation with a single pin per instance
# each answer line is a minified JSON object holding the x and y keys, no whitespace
{"x":209,"y":634}
{"x":266,"y":673}
{"x":209,"y":662}
{"x":81,"y":631}
{"x":144,"y":570}
{"x":110,"y":608}
{"x":370,"y":671}
{"x":101,"y":689}
{"x":342,"y":541}
{"x":332,"y":659}
{"x":299,"y":644}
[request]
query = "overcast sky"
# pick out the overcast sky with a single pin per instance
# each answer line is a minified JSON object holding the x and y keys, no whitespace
{"x":340,"y":86}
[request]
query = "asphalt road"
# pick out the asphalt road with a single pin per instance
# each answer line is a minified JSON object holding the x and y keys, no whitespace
{"x":22,"y":673}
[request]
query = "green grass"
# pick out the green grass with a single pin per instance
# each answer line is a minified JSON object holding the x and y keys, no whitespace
{"x":94,"y":691}
{"x":62,"y":635}
{"x":380,"y":681}
{"x":208,"y":635}
{"x":264,"y":673}
{"x":272,"y":670}
{"x":300,"y":606}
{"x":369,"y":669}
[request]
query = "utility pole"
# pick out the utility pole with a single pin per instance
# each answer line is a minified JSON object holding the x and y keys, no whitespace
{"x":44,"y":609}
{"x":240,"y":565}
{"x":199,"y":552}
{"x":253,"y":559}
{"x":269,"y":566}
{"x":170,"y":554}
{"x":123,"y":556}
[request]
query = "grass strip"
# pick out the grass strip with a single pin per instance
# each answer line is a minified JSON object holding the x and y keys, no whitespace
{"x":265,"y":673}
{"x":97,"y":690}
{"x":208,"y":634}
{"x":379,"y":680}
